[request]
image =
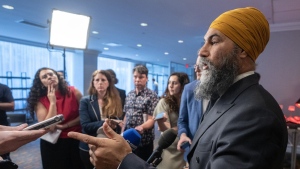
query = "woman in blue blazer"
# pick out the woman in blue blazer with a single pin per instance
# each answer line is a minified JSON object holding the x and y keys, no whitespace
{"x":102,"y":102}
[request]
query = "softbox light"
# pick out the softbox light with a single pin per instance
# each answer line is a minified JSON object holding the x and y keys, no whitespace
{"x":69,"y":30}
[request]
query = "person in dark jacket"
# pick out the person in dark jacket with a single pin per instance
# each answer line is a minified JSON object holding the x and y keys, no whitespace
{"x":243,"y":125}
{"x":102,"y":102}
{"x":122,"y":92}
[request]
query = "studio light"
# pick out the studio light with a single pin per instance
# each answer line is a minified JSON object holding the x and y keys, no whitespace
{"x":69,"y":30}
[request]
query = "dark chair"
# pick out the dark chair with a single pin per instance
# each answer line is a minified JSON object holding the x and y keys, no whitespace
{"x":15,"y":119}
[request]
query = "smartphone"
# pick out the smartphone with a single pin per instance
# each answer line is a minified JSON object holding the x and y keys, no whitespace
{"x":184,"y":145}
{"x":46,"y":123}
{"x":159,"y":116}
{"x":116,"y":121}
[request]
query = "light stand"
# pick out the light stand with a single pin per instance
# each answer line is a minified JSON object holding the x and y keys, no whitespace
{"x":64,"y":62}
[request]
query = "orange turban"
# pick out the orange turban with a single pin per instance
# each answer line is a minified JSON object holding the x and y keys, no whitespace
{"x":247,"y":27}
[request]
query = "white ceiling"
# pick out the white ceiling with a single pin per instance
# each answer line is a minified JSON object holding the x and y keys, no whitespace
{"x":118,"y":21}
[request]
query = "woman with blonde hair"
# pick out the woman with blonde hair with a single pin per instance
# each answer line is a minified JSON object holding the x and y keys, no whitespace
{"x":102,"y":102}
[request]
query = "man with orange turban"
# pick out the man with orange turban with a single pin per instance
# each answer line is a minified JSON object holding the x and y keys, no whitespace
{"x":243,"y":125}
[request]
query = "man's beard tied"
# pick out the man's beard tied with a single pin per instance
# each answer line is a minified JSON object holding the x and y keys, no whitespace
{"x":217,"y":80}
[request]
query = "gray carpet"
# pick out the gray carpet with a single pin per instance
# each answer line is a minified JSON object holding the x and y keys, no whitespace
{"x":28,"y":156}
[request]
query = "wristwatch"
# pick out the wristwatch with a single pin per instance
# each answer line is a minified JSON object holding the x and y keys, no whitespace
{"x":8,"y":164}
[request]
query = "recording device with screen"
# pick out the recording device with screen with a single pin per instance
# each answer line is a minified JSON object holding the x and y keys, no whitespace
{"x":46,"y":123}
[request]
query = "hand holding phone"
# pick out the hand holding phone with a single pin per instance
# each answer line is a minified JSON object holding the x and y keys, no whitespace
{"x":184,"y":145}
{"x":116,"y":121}
{"x":113,"y":123}
{"x":46,"y":123}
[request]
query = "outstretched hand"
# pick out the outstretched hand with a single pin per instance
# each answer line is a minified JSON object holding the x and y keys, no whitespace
{"x":13,"y":128}
{"x":11,"y":138}
{"x":105,"y":153}
{"x":183,"y":138}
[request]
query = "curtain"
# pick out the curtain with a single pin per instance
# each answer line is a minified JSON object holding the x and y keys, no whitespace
{"x":18,"y":60}
{"x":123,"y":70}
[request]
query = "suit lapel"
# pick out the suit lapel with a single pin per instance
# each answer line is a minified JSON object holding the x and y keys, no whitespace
{"x":199,"y":104}
{"x":211,"y":117}
{"x":95,"y":106}
{"x":225,"y":102}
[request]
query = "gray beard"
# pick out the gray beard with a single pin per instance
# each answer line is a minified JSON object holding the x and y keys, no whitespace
{"x":218,"y":78}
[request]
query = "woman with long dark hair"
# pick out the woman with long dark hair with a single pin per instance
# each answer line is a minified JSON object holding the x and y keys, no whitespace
{"x":49,"y":96}
{"x":102,"y":102}
{"x":169,"y":105}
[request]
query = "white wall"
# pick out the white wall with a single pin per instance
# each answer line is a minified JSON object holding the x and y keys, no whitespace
{"x":279,"y":66}
{"x":90,"y":65}
{"x":77,"y":73}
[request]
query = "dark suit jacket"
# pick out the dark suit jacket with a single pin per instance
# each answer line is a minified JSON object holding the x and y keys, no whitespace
{"x":90,"y":118}
{"x":244,"y":129}
{"x":131,"y":161}
{"x":123,"y":96}
{"x":89,"y":114}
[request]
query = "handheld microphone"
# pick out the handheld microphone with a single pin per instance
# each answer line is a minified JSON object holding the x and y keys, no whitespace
{"x":131,"y":136}
{"x":165,"y":140}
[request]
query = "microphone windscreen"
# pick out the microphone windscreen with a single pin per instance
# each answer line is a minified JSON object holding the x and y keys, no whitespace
{"x":167,"y":138}
{"x":132,"y":137}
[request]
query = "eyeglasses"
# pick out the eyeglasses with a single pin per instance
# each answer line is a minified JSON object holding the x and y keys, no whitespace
{"x":197,"y":66}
